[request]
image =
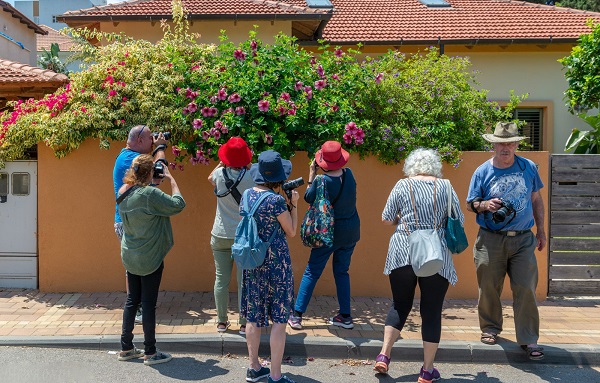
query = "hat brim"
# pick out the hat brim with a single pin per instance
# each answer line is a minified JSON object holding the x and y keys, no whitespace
{"x":495,"y":139}
{"x":240,"y":162}
{"x":260,"y":179}
{"x":332,"y":165}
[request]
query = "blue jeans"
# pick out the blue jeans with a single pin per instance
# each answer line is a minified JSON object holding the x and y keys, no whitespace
{"x":142,"y":289}
{"x":316,"y":264}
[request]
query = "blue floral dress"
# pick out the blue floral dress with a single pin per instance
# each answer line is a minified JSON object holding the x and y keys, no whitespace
{"x":268,"y":290}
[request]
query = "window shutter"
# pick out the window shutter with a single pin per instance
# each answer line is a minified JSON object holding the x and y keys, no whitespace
{"x":533,"y":127}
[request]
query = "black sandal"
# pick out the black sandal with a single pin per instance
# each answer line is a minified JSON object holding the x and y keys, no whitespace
{"x":533,"y":352}
{"x":489,"y":338}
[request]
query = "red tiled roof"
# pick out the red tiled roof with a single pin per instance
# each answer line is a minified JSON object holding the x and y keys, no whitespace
{"x":6,"y":7}
{"x":410,"y":21}
{"x":16,"y":73}
{"x":198,"y":9}
{"x":65,"y":43}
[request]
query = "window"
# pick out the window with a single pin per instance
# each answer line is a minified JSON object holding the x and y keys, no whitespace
{"x":20,"y":184}
{"x":435,"y":3}
{"x":533,"y":128}
{"x":3,"y":187}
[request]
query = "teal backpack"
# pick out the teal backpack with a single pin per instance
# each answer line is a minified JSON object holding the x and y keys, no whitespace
{"x":248,"y":250}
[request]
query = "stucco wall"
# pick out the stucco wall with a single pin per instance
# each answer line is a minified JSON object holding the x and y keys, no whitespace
{"x":78,"y":250}
{"x":19,"y":33}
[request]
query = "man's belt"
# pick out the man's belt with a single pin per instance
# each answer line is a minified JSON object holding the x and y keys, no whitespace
{"x":507,"y":233}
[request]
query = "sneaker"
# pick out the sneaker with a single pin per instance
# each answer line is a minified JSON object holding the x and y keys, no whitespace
{"x":131,"y":354}
{"x":295,"y":322}
{"x":159,"y":357}
{"x":339,"y":320}
{"x":283,"y":379}
{"x":254,"y":376}
{"x":243,"y":329}
{"x":138,"y":315}
{"x":428,"y":377}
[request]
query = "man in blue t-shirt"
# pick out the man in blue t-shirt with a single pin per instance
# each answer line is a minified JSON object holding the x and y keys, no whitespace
{"x":504,"y":193}
{"x":139,"y":141}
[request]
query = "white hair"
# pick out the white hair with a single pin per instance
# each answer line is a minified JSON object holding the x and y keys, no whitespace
{"x":424,"y":162}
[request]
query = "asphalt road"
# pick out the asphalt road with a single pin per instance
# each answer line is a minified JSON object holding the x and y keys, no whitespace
{"x":33,"y":365}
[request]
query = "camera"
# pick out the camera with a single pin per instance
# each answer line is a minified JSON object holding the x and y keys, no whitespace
{"x":288,"y":186}
{"x":158,"y":169}
{"x":167,"y":135}
{"x":505,"y":210}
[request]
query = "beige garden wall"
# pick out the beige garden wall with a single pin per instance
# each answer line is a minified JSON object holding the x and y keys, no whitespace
{"x":78,"y":250}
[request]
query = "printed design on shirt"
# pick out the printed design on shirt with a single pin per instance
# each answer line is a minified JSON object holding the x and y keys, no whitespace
{"x":510,"y":187}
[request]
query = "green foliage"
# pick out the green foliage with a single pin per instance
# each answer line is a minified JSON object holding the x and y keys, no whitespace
{"x":51,"y":61}
{"x":583,"y":71}
{"x":427,"y":100}
{"x":585,"y":5}
{"x":586,"y":141}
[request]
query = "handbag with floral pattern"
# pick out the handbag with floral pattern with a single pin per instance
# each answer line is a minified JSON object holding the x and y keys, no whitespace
{"x":317,"y":226}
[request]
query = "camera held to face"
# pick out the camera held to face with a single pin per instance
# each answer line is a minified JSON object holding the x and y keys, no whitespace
{"x":166,"y":135}
{"x":288,"y":186}
{"x":505,"y":210}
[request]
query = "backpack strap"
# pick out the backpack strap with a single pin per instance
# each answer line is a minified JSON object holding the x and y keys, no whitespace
{"x":256,"y":205}
{"x":126,"y":193}
{"x":232,"y":186}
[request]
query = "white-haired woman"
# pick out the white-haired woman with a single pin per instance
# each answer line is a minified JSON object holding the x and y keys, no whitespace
{"x":423,"y":194}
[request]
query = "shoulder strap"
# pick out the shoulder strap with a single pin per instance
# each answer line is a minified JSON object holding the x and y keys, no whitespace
{"x":412,"y":197}
{"x":126,"y":193}
{"x":341,"y":187}
{"x":257,"y":203}
{"x":232,"y":186}
{"x":449,"y":197}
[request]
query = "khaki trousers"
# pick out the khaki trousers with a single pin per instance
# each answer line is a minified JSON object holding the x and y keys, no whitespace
{"x":495,"y":256}
{"x":221,"y":248}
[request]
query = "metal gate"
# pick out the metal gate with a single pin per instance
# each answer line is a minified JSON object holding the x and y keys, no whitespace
{"x":18,"y":225}
{"x":574,"y":225}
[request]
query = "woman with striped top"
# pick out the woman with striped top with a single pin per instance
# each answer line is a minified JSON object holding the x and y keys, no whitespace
{"x":423,"y":168}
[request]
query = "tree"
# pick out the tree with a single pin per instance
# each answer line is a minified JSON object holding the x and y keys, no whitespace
{"x":585,"y":5}
{"x":50,"y":60}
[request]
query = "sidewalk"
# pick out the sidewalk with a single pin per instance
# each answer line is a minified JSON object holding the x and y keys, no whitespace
{"x":186,"y":322}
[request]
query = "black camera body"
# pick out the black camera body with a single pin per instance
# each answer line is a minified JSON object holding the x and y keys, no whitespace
{"x":505,"y":210}
{"x":288,"y":186}
{"x":167,"y":135}
{"x":158,"y":169}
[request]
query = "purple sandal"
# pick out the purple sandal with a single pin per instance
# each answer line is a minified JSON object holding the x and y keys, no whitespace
{"x":382,"y":363}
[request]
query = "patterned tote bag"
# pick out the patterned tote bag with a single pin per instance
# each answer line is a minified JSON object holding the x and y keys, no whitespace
{"x":317,"y":226}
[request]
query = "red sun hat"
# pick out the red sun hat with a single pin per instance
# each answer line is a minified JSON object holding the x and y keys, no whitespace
{"x":331,"y":156}
{"x":235,"y":153}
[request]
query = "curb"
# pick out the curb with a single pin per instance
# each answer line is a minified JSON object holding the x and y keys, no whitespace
{"x":329,"y":347}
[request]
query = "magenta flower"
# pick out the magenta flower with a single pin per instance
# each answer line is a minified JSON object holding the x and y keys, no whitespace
{"x":298,"y":85}
{"x":217,"y":135}
{"x":222,"y":94}
{"x":185,"y":111}
{"x":213,"y":99}
{"x":378,"y":78}
{"x":291,"y":112}
{"x":238,"y":54}
{"x":205,"y":111}
{"x":176,"y":151}
{"x":213,"y":111}
{"x":112,"y":93}
{"x":335,"y":77}
{"x":263,"y":105}
{"x":218,"y":125}
{"x":347,"y":138}
{"x":253,"y":45}
{"x":180,"y":167}
{"x":224,"y":130}
{"x":268,"y":139}
{"x":282,"y":111}
{"x":197,"y":123}
{"x":266,"y":94}
{"x":205,"y":135}
{"x":351,"y":128}
{"x":320,"y":71}
{"x":309,"y":94}
{"x":338,"y":52}
{"x":172,"y":165}
{"x":235,"y":98}
{"x":360,"y":134}
{"x":240,"y":110}
{"x":335,"y":108}
{"x":358,"y":141}
{"x":228,"y":110}
{"x":320,"y":84}
{"x":192,"y":107}
{"x":285,"y":96}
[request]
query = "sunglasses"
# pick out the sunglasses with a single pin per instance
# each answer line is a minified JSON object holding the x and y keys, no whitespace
{"x":141,"y":131}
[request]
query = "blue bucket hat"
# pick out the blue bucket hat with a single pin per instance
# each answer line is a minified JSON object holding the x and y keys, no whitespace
{"x":270,"y":168}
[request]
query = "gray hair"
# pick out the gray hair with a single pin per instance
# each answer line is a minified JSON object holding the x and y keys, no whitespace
{"x":424,"y":162}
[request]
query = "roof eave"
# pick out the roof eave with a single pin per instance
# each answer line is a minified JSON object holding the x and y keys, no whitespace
{"x":439,"y":41}
{"x":208,"y":17}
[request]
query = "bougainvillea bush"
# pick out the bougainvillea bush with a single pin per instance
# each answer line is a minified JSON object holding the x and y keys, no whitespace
{"x":427,"y":100}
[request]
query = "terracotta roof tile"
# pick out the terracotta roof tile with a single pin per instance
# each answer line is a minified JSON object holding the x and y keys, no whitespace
{"x":197,"y":8}
{"x":411,"y":21}
{"x":65,"y":43}
{"x":14,"y":72}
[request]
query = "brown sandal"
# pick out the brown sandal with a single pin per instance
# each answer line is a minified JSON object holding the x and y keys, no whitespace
{"x":489,"y":338}
{"x":533,"y":352}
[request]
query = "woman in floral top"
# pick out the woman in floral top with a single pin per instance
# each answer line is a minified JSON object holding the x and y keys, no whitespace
{"x":268,"y":290}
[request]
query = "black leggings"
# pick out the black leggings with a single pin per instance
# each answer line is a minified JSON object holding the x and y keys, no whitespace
{"x":433,"y":291}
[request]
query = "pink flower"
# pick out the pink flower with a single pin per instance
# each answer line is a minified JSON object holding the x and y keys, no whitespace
{"x":253,"y":45}
{"x":217,"y":135}
{"x":213,"y":99}
{"x":291,"y":112}
{"x":335,"y":77}
{"x":298,"y":85}
{"x":224,"y":130}
{"x":180,"y":167}
{"x":176,"y":151}
{"x":218,"y":125}
{"x":338,"y":52}
{"x":170,"y":65}
{"x":358,"y":141}
{"x":378,"y":78}
{"x":192,"y":107}
{"x":83,"y":109}
{"x":228,"y":110}
{"x":238,"y":54}
{"x":185,"y":111}
{"x":266,"y":94}
{"x":351,"y":128}
{"x":235,"y":98}
{"x":320,"y":71}
{"x":205,"y":111}
{"x":197,"y":123}
{"x":347,"y":138}
{"x":263,"y":105}
{"x":309,"y":94}
{"x":205,"y":135}
{"x":124,"y":98}
{"x":222,"y":94}
{"x":268,"y":139}
{"x":335,"y":108}
{"x":360,"y":134}
{"x":112,"y":93}
{"x":172,"y":165}
{"x":282,"y":111}
{"x":213,"y":111}
{"x":320,"y":84}
{"x":285,"y":96}
{"x":240,"y":110}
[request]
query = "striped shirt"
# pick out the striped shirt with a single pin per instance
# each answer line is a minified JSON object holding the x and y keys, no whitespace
{"x":399,"y":203}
